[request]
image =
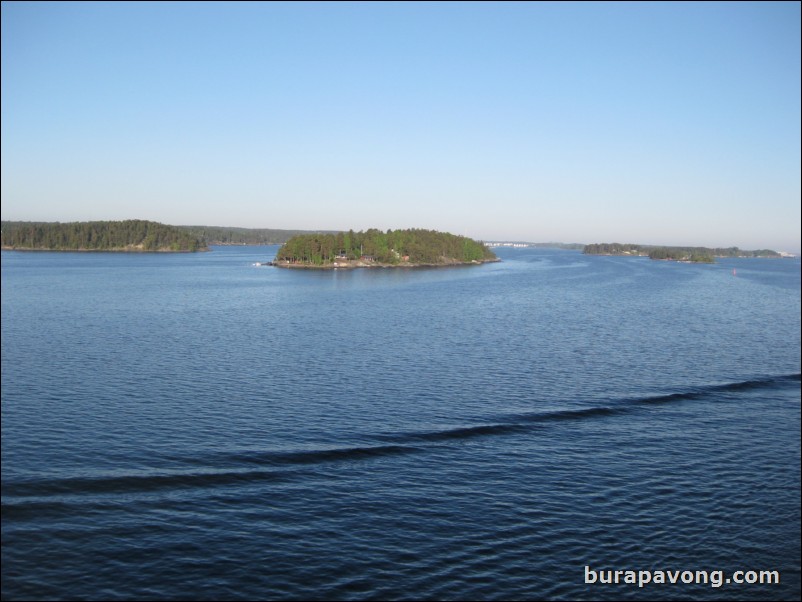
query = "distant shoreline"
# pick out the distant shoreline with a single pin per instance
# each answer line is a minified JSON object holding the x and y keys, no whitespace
{"x":118,"y":250}
{"x":127,"y":236}
{"x":679,"y":254}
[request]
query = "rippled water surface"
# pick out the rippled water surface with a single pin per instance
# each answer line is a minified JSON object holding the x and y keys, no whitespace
{"x":195,"y":427}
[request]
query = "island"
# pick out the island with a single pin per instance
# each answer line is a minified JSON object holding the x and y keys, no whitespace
{"x":375,"y":248}
{"x":681,"y":254}
{"x":118,"y":236}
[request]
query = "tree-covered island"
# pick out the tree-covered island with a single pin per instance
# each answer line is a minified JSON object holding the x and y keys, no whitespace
{"x":374,"y":248}
{"x":124,"y":236}
{"x":684,"y":254}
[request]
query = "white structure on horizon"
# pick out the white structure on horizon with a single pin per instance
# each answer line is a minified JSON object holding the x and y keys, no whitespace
{"x":508,"y":244}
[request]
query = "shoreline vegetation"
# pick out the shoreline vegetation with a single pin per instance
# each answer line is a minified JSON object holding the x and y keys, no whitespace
{"x":373,"y":248}
{"x":142,"y":236}
{"x":680,"y":254}
{"x":128,"y":236}
{"x":225,"y":236}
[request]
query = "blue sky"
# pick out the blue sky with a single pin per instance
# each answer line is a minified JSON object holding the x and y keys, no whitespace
{"x":655,"y":123}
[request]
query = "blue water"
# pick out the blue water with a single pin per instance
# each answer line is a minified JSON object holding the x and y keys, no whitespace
{"x":195,"y":427}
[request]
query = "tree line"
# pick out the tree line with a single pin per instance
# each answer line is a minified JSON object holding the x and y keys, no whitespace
{"x":392,"y":247}
{"x":127,"y":235}
{"x":695,"y":254}
{"x":221,"y":235}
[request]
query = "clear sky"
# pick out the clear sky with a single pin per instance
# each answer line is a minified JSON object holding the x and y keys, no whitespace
{"x":654,"y":123}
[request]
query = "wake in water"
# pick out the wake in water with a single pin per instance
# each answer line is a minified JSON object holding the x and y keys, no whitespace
{"x":281,"y":466}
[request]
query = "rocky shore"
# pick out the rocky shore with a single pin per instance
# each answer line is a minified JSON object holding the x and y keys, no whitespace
{"x":345,"y":264}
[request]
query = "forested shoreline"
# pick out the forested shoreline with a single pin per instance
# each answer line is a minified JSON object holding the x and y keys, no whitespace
{"x":224,"y":235}
{"x":391,"y":248}
{"x":125,"y":236}
{"x":312,"y":248}
{"x":691,"y":254}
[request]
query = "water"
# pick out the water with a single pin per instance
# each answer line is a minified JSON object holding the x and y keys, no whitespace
{"x":194,"y":427}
